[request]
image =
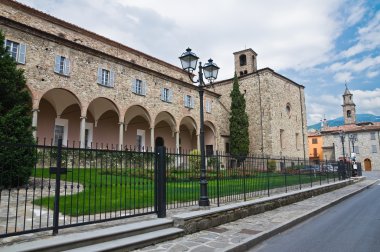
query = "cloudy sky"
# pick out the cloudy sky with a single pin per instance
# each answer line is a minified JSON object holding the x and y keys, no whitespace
{"x":319,"y":44}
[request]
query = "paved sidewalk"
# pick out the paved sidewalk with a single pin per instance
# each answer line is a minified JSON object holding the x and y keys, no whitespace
{"x":244,"y":233}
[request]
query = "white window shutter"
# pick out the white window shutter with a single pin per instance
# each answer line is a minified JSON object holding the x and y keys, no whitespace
{"x":57,"y":63}
{"x":191,"y":102}
{"x":21,"y":54}
{"x":170,"y":98}
{"x":67,"y":67}
{"x":5,"y":43}
{"x":162,"y":94}
{"x":112,"y":78}
{"x":184,"y":100}
{"x":134,"y":85}
{"x":100,"y":75}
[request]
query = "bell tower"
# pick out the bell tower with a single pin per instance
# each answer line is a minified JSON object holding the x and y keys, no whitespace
{"x":245,"y":62}
{"x":349,"y":110}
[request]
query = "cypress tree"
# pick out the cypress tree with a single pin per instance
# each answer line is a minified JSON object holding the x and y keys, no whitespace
{"x":17,"y":157}
{"x":239,"y":137}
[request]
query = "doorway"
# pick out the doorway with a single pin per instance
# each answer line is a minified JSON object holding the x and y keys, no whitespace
{"x":159,"y":142}
{"x":367,"y":164}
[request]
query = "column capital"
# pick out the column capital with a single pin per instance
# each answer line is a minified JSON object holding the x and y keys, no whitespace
{"x":121,"y":123}
{"x":83,"y":117}
{"x":35,"y":110}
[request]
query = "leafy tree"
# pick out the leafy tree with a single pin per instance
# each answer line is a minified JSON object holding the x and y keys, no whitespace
{"x":239,"y":137}
{"x":16,"y":137}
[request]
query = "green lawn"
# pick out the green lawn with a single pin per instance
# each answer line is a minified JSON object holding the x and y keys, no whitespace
{"x":128,"y":189}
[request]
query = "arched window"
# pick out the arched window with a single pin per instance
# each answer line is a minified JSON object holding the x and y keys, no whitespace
{"x":243,"y":60}
{"x":348,"y":113}
{"x":288,"y":108}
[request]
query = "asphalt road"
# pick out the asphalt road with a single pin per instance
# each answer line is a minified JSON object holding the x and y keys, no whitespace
{"x":352,"y":225}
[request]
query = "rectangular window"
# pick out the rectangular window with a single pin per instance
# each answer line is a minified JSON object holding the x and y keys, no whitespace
{"x":209,"y":150}
{"x":16,"y":50}
{"x":208,"y":106}
{"x":62,"y":65}
{"x":227,"y":148}
{"x":281,"y":138}
{"x":356,"y":149}
{"x":58,"y":133}
{"x":138,"y":87}
{"x":315,"y":152}
{"x":297,"y":144}
{"x":188,"y":101}
{"x":106,"y":77}
{"x":166,"y":95}
{"x":374,"y":149}
{"x":373,"y":136}
{"x":140,"y":139}
{"x":314,"y":140}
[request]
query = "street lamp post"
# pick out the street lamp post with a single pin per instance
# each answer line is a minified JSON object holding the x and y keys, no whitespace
{"x":353,"y":139}
{"x":210,"y":72}
{"x":342,"y":136}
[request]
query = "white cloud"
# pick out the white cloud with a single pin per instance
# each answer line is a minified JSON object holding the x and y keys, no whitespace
{"x":285,"y":34}
{"x":356,"y":65}
{"x":372,"y":74}
{"x":368,"y":38}
{"x":367,"y":101}
{"x":343,"y":77}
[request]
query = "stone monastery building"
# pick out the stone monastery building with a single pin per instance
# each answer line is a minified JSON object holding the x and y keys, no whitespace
{"x":89,"y":89}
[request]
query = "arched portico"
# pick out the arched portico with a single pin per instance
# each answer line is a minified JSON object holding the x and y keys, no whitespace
{"x":137,"y":123}
{"x":210,"y":137}
{"x":188,"y":134}
{"x":165,"y":128}
{"x":101,"y":124}
{"x":59,"y":116}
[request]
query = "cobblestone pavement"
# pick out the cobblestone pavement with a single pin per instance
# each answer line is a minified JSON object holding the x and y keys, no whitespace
{"x":218,"y":238}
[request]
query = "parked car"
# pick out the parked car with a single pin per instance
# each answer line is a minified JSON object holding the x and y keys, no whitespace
{"x":311,"y":168}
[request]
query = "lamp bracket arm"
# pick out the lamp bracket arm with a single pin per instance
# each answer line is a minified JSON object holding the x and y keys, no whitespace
{"x":191,"y":78}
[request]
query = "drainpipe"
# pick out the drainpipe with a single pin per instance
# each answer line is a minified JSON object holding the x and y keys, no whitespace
{"x":261,"y":117}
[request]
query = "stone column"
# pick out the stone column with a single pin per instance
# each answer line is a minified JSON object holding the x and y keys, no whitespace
{"x":152,"y":138}
{"x":198,"y":142}
{"x":34,"y":122}
{"x":177,"y":142}
{"x":82,"y":133}
{"x":121,"y":135}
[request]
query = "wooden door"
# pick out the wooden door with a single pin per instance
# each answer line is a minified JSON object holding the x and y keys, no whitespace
{"x":367,"y":165}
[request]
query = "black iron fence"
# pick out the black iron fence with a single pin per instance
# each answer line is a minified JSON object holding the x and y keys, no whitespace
{"x":69,"y":186}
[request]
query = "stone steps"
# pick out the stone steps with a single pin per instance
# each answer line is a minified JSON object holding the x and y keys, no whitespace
{"x":118,"y":238}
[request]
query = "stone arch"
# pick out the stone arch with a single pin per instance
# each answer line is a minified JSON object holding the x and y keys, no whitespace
{"x":59,"y":116}
{"x":137,"y":125}
{"x":136,"y":110}
{"x":165,"y":127}
{"x":188,"y":133}
{"x":102,"y":122}
{"x":210,"y":137}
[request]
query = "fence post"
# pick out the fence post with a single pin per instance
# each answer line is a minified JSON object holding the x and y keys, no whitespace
{"x":57,"y":188}
{"x":286,"y":182}
{"x":161,"y":181}
{"x":218,"y":177}
{"x":268,"y":177}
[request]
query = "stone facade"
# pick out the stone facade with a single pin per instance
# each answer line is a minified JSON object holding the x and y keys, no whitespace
{"x":338,"y":143}
{"x":113,"y":113}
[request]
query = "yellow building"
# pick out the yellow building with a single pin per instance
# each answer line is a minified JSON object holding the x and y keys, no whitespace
{"x":315,"y":142}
